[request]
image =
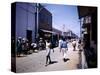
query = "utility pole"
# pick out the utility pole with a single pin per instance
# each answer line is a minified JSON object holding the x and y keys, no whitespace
{"x":80,"y":29}
{"x":38,"y":9}
{"x":37,"y":22}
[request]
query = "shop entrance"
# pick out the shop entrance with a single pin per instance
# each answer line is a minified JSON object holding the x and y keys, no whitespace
{"x":29,"y":35}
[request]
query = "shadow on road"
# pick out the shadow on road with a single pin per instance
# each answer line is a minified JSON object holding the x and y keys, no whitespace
{"x":52,"y":62}
{"x":22,"y":56}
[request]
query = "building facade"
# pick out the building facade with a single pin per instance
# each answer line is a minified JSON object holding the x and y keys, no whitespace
{"x":45,"y":23}
{"x":88,"y":23}
{"x":24,"y":20}
{"x":57,"y":34}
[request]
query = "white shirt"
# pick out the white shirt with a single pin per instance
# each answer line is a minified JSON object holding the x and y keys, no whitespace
{"x":74,"y":42}
{"x":60,"y":42}
{"x":48,"y":50}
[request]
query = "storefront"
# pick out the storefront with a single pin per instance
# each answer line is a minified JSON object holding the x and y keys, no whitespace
{"x":88,"y":19}
{"x":45,"y":34}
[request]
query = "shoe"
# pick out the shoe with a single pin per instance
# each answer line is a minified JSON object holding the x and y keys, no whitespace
{"x":50,"y":62}
{"x":63,"y":59}
{"x":45,"y":64}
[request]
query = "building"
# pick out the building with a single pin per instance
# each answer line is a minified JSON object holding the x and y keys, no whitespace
{"x":88,"y":23}
{"x":70,"y":35}
{"x":22,"y":25}
{"x":45,"y":23}
{"x":23,"y":20}
{"x":56,"y":35}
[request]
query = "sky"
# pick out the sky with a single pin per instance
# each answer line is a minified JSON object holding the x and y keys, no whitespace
{"x":64,"y":15}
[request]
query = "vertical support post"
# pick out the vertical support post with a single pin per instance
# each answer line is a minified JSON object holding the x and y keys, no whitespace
{"x":37,"y":22}
{"x":80,"y":30}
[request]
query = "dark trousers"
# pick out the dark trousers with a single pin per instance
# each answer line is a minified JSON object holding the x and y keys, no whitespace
{"x":48,"y":59}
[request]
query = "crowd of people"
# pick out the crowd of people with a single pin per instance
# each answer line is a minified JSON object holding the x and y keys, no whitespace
{"x":24,"y":46}
{"x":63,"y":47}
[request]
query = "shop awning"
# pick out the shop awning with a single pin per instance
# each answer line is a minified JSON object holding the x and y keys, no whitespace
{"x":48,"y":31}
{"x":85,"y":10}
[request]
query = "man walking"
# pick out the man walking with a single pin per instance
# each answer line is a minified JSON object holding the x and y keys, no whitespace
{"x":74,"y":45}
{"x":48,"y":51}
{"x":64,"y":49}
{"x":60,"y":43}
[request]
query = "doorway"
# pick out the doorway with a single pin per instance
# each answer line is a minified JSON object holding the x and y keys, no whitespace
{"x":29,"y":35}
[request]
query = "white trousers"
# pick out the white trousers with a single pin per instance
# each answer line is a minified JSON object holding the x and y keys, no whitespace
{"x":64,"y":51}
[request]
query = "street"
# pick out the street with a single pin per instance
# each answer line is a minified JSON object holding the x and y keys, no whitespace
{"x":35,"y":62}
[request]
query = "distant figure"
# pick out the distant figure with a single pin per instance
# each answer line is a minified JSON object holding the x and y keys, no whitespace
{"x":48,"y":51}
{"x":60,"y":43}
{"x":27,"y":46}
{"x":74,"y":45}
{"x":24,"y":46}
{"x":41,"y":44}
{"x":64,"y":49}
{"x":52,"y":45}
{"x":80,"y":45}
{"x":19,"y":46}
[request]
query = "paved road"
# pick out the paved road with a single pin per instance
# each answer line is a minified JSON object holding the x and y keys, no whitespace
{"x":36,"y":62}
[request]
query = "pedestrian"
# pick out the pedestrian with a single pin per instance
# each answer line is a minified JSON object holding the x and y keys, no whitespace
{"x":79,"y":44}
{"x":19,"y":46}
{"x":48,"y":51}
{"x":27,"y":46}
{"x":74,"y":45}
{"x":64,"y":49}
{"x":60,"y":43}
{"x":52,"y":45}
{"x":41,"y":44}
{"x":24,"y":46}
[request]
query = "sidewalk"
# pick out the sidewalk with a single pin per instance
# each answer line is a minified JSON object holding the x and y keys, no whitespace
{"x":36,"y":61}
